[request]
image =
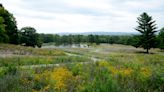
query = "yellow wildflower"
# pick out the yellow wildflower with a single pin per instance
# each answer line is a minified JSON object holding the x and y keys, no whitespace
{"x":146,"y":72}
{"x":37,"y":77}
{"x":113,"y":70}
{"x":103,"y":64}
{"x":126,"y":72}
{"x":62,"y":77}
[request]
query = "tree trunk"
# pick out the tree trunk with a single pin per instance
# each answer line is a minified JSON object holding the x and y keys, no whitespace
{"x":147,"y":51}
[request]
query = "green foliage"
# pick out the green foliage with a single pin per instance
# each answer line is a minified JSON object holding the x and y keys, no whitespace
{"x":10,"y":80}
{"x":120,"y":70}
{"x":29,"y":60}
{"x":100,"y":81}
{"x":9,"y":32}
{"x":47,"y":38}
{"x":29,"y":37}
{"x":3,"y":36}
{"x":78,"y":39}
{"x":10,"y":26}
{"x":147,"y":29}
{"x":135,"y":41}
{"x":161,"y":39}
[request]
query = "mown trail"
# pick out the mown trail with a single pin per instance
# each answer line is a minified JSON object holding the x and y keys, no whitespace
{"x":68,"y":51}
{"x":92,"y":57}
{"x":95,"y":54}
{"x":93,"y":60}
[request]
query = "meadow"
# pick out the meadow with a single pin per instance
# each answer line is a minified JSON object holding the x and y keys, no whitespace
{"x":98,"y":68}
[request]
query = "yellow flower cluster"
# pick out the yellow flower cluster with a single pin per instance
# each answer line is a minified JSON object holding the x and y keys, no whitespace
{"x":25,"y":81}
{"x":104,"y":64}
{"x":126,"y":71}
{"x":37,"y":77}
{"x":113,"y":70}
{"x":62,"y":77}
{"x":146,"y":72}
{"x":116,"y":71}
{"x":122,"y":71}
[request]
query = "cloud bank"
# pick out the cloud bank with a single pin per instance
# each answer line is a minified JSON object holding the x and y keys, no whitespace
{"x":56,"y":16}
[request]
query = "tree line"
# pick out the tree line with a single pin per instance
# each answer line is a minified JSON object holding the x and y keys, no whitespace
{"x":27,"y":36}
{"x":77,"y":39}
{"x":98,"y":39}
{"x":9,"y":32}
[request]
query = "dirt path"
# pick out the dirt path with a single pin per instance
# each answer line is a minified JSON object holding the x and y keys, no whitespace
{"x":94,"y":60}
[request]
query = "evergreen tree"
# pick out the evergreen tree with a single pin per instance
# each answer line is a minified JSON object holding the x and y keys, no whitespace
{"x":147,"y":29}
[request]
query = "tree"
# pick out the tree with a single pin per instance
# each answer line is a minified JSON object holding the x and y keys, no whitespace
{"x":97,"y":39}
{"x":3,"y":36}
{"x":135,"y":41}
{"x":147,"y":29}
{"x":91,"y":38}
{"x":161,"y":39}
{"x":48,"y":38}
{"x":70,"y":39}
{"x":10,"y":25}
{"x":29,"y":37}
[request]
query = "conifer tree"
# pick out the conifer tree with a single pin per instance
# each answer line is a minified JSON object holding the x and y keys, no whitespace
{"x":147,"y":28}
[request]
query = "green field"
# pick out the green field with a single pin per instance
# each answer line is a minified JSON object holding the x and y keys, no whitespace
{"x":99,"y":68}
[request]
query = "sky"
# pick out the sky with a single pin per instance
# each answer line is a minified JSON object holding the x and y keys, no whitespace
{"x":76,"y":16}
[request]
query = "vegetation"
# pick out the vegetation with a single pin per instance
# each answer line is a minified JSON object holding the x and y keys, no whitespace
{"x":19,"y":56}
{"x":9,"y":32}
{"x":101,"y":66}
{"x":90,"y":39}
{"x":8,"y":24}
{"x":122,"y":69}
{"x":147,"y":29}
{"x":29,"y":37}
{"x":3,"y":35}
{"x":161,"y":39}
{"x":134,"y":40}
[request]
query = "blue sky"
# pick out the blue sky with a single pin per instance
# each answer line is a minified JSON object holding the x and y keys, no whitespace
{"x":56,"y":16}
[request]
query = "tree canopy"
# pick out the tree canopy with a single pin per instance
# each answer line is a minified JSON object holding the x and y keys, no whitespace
{"x":29,"y":37}
{"x":10,"y":27}
{"x":3,"y":36}
{"x":161,"y":39}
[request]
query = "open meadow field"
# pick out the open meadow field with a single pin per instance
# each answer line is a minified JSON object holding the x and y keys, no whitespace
{"x":81,"y":46}
{"x":98,"y":68}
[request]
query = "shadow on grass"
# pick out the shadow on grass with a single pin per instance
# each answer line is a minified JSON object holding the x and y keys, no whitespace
{"x":144,"y":52}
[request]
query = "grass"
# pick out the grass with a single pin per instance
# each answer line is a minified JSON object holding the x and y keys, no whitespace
{"x":20,"y":55}
{"x":6,"y":50}
{"x":37,"y":60}
{"x":120,"y":69}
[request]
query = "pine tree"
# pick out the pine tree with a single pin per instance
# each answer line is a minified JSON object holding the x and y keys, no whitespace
{"x":147,"y":28}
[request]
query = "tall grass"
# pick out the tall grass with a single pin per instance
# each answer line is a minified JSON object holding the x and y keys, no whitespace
{"x":37,"y":60}
{"x":119,"y":71}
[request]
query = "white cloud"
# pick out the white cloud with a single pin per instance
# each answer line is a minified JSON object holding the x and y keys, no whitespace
{"x":54,"y":16}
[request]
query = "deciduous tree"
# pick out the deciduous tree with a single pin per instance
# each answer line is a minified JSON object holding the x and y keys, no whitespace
{"x":10,"y":25}
{"x":29,"y":37}
{"x":161,"y":39}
